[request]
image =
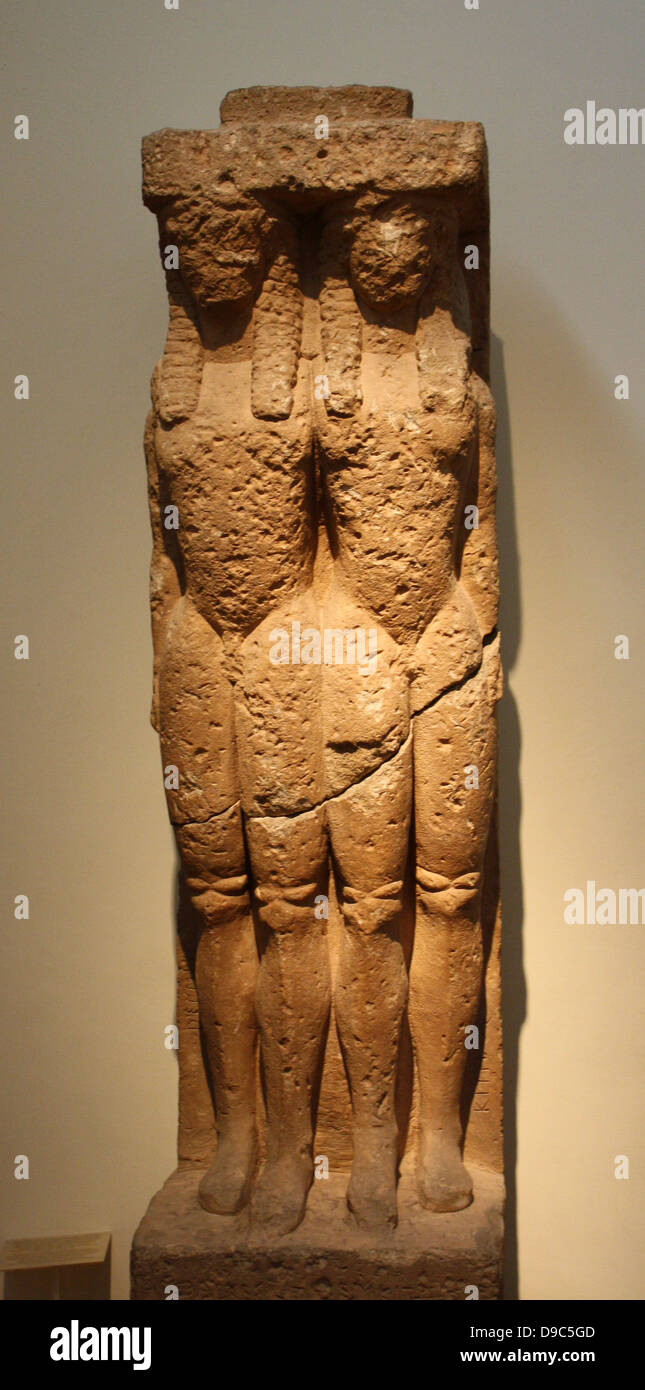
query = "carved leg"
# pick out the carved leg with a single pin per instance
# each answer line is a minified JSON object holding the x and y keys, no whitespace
{"x":226,"y":971}
{"x":196,"y":725}
{"x":369,"y":829}
{"x":451,"y":824}
{"x":289,"y":860}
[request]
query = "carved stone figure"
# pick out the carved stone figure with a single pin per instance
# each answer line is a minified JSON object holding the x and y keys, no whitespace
{"x":324,"y":588}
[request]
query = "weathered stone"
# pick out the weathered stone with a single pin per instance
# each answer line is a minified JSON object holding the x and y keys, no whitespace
{"x":457,"y":1256}
{"x":324,"y":599}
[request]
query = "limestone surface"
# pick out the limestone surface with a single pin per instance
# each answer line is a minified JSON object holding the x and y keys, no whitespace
{"x":324,"y":592}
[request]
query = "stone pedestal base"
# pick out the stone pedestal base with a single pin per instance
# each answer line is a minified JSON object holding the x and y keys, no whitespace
{"x":328,"y":1257}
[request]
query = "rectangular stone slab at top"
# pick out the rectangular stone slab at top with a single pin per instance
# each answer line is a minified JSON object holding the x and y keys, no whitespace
{"x":354,"y":102}
{"x":283,"y":156}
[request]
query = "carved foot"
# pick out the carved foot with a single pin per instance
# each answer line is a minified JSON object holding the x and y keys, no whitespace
{"x":280,"y":1197}
{"x":444,"y":1183}
{"x":226,"y":1187}
{"x":371,"y":1195}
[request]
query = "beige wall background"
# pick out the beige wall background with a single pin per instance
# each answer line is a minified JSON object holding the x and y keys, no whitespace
{"x":89,"y":1090}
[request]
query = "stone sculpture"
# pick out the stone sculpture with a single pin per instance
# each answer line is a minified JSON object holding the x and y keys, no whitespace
{"x":324,"y":603}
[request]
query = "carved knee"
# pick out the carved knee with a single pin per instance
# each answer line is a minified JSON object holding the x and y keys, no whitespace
{"x":447,"y":895}
{"x":372,"y":909}
{"x":212,"y":855}
{"x":221,"y":899}
{"x":286,"y":909}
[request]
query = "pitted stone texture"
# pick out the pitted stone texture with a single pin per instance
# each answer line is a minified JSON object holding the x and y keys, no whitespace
{"x":393,"y":155}
{"x":324,"y":593}
{"x":327,"y":1259}
{"x":297,"y":103}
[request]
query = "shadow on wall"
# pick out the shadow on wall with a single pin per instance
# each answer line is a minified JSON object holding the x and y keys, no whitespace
{"x":584,"y":450}
{"x":510,"y":810}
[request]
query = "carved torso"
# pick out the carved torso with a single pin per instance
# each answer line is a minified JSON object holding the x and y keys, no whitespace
{"x":399,"y":475}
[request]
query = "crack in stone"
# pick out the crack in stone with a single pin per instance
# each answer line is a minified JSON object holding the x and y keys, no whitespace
{"x":215,"y":815}
{"x":328,"y":800}
{"x":487,"y":640}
